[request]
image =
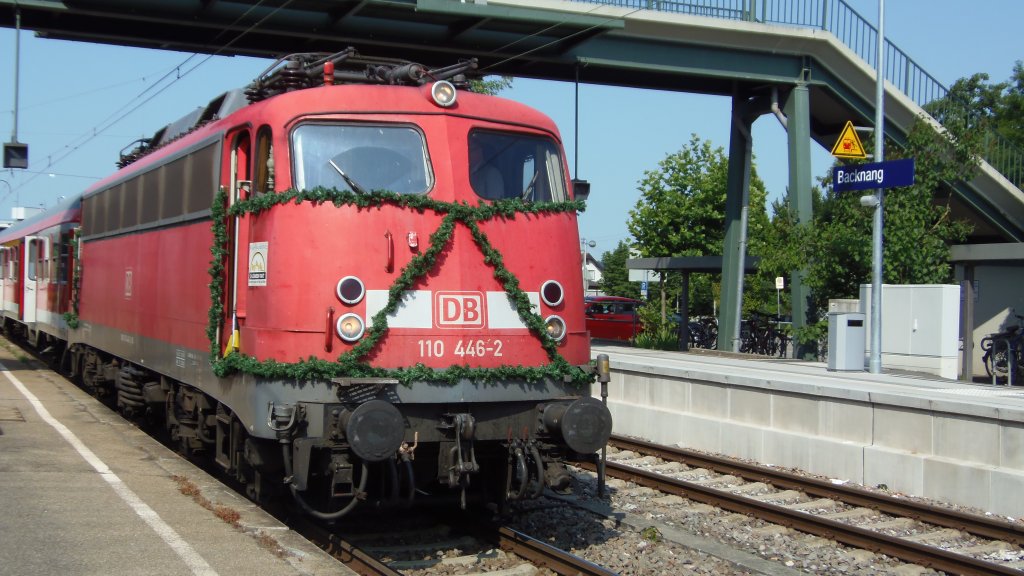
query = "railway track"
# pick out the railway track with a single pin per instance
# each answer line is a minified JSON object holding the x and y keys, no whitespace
{"x":478,"y":547}
{"x":423,"y":547}
{"x":933,"y":537}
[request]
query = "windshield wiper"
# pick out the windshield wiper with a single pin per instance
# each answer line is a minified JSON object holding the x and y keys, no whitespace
{"x":351,"y":183}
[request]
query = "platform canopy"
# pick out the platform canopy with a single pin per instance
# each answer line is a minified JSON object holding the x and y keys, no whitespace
{"x":711,"y":264}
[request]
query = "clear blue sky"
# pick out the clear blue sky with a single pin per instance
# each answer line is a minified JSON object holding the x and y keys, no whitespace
{"x":70,"y":91}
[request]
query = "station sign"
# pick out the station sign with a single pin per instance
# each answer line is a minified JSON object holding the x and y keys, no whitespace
{"x":848,"y":144}
{"x":876,"y":175}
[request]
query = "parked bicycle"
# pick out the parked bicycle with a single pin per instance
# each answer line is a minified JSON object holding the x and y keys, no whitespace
{"x":1003,"y":358}
{"x":761,"y":335}
{"x":704,"y":332}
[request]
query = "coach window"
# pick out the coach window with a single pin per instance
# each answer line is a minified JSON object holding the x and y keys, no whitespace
{"x":361,"y":158}
{"x":506,"y":165}
{"x":263,"y":180}
{"x":14,"y":264}
{"x":30,"y":260}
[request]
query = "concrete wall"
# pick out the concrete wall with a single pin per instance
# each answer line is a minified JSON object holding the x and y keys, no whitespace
{"x":923,"y":446}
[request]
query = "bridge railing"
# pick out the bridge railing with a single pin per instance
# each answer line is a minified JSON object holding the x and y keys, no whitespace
{"x":846,"y":24}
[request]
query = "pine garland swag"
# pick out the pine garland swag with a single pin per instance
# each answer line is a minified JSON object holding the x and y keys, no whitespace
{"x":350,"y":363}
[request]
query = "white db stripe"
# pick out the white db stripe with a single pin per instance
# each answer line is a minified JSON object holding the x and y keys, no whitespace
{"x":417,"y":309}
{"x":194,"y":561}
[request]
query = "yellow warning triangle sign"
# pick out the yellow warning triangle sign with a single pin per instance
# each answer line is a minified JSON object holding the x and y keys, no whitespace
{"x":848,"y":145}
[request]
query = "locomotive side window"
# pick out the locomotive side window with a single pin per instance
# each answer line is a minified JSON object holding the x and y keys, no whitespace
{"x":202,"y":181}
{"x":184,"y":187}
{"x":506,"y":165}
{"x":361,"y":158}
{"x":130,"y":203}
{"x":174,"y":188}
{"x":263,"y":182}
{"x":151,"y":186}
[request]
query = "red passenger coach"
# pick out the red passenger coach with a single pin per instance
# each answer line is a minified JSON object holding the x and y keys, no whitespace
{"x":355,"y":280}
{"x":36,"y":263}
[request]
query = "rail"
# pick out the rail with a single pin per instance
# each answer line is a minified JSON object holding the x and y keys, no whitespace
{"x":846,"y":24}
{"x":908,"y":551}
{"x":546,"y":556}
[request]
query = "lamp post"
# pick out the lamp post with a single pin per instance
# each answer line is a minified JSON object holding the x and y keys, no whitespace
{"x":875,"y":358}
{"x":584,"y":244}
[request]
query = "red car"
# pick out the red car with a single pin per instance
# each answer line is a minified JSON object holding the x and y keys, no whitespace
{"x":613,"y":317}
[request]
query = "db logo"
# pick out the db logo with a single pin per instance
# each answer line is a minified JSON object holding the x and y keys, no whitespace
{"x":459,"y":309}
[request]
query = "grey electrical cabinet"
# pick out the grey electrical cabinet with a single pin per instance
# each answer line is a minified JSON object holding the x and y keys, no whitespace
{"x":846,"y":338}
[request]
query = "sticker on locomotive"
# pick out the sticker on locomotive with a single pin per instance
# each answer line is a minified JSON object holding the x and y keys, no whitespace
{"x":459,"y":310}
{"x":128,"y":283}
{"x":257,"y":263}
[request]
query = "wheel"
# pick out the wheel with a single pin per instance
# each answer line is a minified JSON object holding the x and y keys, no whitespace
{"x":995,"y":360}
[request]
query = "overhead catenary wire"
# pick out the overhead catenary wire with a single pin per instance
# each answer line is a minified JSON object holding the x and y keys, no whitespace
{"x":121,"y":113}
{"x":127,"y":109}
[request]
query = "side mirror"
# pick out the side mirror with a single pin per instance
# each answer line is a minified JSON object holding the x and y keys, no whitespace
{"x":580,"y":189}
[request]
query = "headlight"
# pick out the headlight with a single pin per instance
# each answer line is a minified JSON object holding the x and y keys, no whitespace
{"x":551,"y":292}
{"x":350,"y":290}
{"x":443,"y":93}
{"x":555,"y":328}
{"x":351,"y":327}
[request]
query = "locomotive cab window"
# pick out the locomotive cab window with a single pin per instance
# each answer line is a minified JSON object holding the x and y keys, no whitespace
{"x":361,"y":158}
{"x":505,"y":165}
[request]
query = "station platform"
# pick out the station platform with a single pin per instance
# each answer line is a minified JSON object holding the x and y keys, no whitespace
{"x":85,"y":492}
{"x":915,"y":434}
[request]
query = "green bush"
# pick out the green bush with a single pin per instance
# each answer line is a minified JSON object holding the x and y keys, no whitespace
{"x":657,"y":334}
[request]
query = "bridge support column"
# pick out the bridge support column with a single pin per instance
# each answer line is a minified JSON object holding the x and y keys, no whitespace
{"x":737,"y":202}
{"x":798,"y":130}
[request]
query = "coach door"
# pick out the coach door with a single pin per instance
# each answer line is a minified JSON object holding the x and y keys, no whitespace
{"x":35,"y":247}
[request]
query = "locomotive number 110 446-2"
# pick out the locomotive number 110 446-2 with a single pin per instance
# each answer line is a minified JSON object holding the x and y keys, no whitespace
{"x":463,"y":348}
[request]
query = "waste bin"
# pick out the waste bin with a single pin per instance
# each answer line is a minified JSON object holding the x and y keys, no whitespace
{"x":846,"y":341}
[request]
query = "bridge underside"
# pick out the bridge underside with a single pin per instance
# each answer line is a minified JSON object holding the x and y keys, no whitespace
{"x":531,"y":38}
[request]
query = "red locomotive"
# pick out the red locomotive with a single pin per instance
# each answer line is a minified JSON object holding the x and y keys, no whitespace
{"x":354,"y":280}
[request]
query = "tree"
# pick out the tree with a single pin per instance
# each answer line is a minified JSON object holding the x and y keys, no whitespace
{"x":988,"y":118}
{"x":490,"y":85}
{"x":681,"y":212}
{"x":682,"y":204}
{"x":615,"y":279}
{"x":836,"y":247}
{"x":1009,"y":111}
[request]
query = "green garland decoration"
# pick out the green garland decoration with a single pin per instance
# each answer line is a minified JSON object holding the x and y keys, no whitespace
{"x":350,"y":363}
